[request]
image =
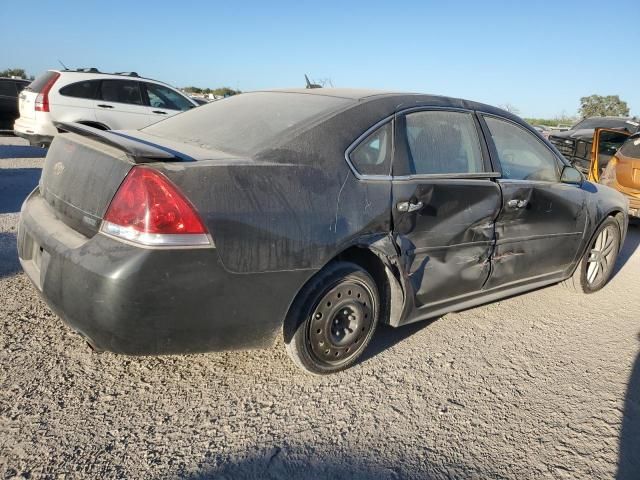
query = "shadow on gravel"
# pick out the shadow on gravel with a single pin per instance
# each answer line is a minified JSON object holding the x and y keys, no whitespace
{"x":629,"y":453}
{"x":15,"y":185}
{"x":628,"y":248}
{"x":22,"y":151}
{"x":9,"y":264}
{"x":386,"y":337}
{"x":309,"y":464}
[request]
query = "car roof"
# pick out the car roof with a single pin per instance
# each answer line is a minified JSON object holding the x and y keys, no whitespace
{"x":15,"y":79}
{"x":124,"y":75}
{"x":403,"y":99}
{"x":350,"y":93}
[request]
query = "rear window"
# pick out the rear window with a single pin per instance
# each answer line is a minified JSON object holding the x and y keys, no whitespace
{"x":41,"y":81}
{"x":631,"y":148}
{"x":8,"y":88}
{"x":245,"y":123}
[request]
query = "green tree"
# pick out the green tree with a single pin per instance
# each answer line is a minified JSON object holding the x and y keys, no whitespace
{"x":14,"y":72}
{"x":224,"y":91}
{"x":192,"y":89}
{"x":600,"y":106}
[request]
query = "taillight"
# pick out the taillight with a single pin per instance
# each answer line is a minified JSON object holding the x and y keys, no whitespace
{"x":150,"y":210}
{"x":42,"y":100}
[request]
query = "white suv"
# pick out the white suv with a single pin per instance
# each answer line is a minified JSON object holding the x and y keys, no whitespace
{"x":107,"y":101}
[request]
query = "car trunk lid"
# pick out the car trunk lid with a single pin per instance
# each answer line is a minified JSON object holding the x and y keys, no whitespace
{"x":85,"y":167}
{"x":79,"y":178}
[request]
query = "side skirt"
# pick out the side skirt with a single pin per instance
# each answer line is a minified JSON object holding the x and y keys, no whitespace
{"x":479,"y":298}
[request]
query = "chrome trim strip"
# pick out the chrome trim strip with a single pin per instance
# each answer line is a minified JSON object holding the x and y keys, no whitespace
{"x":391,"y":117}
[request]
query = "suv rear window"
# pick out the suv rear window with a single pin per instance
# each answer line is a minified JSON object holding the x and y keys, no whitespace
{"x":245,"y":123}
{"x":41,"y":81}
{"x":86,"y":89}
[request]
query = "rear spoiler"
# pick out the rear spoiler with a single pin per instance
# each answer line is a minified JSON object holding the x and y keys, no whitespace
{"x":138,"y":150}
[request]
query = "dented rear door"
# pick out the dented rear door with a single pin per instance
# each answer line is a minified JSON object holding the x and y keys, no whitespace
{"x":541,"y":223}
{"x":445,"y":201}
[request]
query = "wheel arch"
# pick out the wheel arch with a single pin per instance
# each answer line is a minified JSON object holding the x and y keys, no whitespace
{"x":377,"y":255}
{"x":615,"y":213}
{"x":94,"y":124}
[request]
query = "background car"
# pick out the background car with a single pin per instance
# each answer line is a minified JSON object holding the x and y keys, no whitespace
{"x":309,"y":215}
{"x":9,"y":90}
{"x":101,"y":100}
{"x":544,"y":130}
{"x":620,"y":168}
{"x":575,"y":144}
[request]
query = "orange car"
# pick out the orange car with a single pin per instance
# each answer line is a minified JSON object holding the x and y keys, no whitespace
{"x":615,"y":162}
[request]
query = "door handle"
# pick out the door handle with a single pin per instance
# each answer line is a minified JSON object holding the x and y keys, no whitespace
{"x":160,"y":112}
{"x":409,"y":206}
{"x":102,"y":105}
{"x":517,"y":203}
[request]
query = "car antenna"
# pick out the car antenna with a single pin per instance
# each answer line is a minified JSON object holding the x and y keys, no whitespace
{"x":309,"y":84}
{"x":63,"y":65}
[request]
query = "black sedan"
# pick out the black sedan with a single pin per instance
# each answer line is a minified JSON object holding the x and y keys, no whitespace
{"x":310,"y":215}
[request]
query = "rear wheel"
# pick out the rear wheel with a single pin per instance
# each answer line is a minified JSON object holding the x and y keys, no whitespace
{"x":596,"y":266}
{"x":333,"y":319}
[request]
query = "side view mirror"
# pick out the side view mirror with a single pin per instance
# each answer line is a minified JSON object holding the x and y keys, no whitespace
{"x":571,"y":175}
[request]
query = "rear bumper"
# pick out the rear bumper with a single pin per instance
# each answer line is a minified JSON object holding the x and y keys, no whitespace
{"x":133,"y":300}
{"x":33,"y":131}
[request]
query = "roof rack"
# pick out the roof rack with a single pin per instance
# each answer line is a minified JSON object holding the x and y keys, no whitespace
{"x":86,"y":70}
{"x":95,"y":70}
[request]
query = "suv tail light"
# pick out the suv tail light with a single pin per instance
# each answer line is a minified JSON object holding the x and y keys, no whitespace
{"x":150,"y":210}
{"x":42,"y":100}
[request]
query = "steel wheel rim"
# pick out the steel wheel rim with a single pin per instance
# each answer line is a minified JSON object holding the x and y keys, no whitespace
{"x":341,"y":323}
{"x":602,"y":256}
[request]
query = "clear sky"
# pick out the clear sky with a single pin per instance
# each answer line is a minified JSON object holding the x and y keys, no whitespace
{"x":539,"y":56}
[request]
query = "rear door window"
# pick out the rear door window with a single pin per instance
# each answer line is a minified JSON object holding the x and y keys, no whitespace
{"x":442,"y":142}
{"x":85,"y":89}
{"x":121,"y":91}
{"x":163,"y":97}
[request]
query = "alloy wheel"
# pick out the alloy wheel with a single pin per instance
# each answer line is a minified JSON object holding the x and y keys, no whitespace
{"x":602,"y":256}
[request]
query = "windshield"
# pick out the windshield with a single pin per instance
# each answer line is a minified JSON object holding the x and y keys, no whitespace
{"x":245,"y":123}
{"x":600,"y":122}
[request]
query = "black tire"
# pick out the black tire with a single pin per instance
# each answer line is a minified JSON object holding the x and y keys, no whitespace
{"x":583,"y":279}
{"x":333,"y":319}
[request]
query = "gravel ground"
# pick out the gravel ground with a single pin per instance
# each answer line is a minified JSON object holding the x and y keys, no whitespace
{"x":544,"y":385}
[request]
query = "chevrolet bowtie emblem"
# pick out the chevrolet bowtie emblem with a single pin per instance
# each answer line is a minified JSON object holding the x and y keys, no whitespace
{"x":58,"y":168}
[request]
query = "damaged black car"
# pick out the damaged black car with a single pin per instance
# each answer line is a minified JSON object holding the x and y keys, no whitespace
{"x":311,"y":215}
{"x":576,"y":144}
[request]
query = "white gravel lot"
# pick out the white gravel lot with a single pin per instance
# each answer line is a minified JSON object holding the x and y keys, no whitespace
{"x":544,"y":385}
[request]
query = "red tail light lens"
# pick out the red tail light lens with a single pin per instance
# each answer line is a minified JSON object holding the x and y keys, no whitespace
{"x":42,"y":100}
{"x":149,"y":209}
